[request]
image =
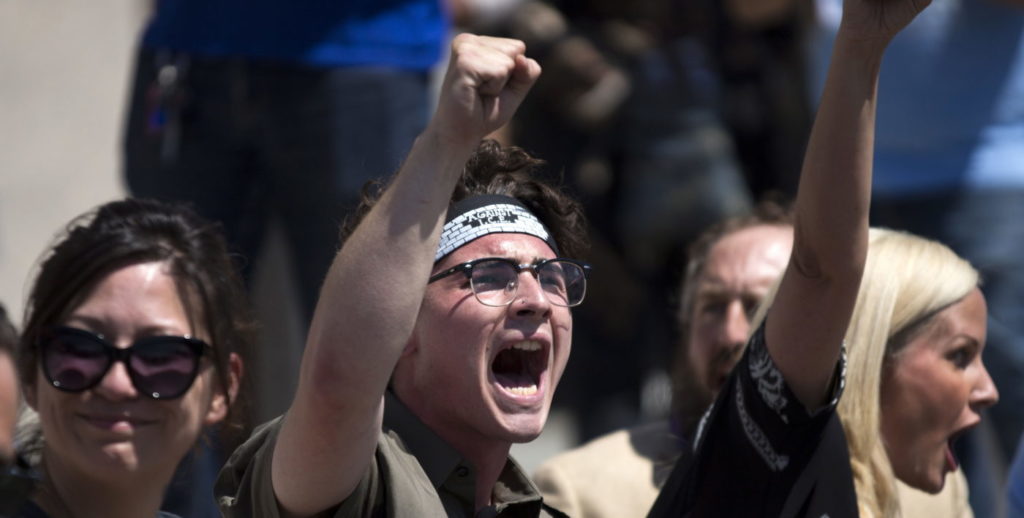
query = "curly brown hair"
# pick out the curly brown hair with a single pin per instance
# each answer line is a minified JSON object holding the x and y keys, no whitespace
{"x":509,"y":171}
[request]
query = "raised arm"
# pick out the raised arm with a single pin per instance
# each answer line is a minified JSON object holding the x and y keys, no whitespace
{"x":372,"y":293}
{"x":807,"y":322}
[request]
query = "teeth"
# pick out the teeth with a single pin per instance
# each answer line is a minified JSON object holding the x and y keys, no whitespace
{"x":523,"y":391}
{"x":529,"y":345}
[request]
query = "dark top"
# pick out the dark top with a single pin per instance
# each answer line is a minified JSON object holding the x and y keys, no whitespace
{"x":31,"y":510}
{"x":414,"y":473}
{"x":759,"y":452}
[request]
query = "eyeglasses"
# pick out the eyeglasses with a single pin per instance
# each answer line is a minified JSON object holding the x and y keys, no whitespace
{"x":161,"y":367}
{"x":495,"y":280}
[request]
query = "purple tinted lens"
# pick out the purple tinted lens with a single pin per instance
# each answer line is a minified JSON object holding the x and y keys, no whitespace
{"x":164,"y":369}
{"x":75,"y":362}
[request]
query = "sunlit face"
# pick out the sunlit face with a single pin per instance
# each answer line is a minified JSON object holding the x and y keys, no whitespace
{"x":739,"y":271}
{"x":932,"y":392}
{"x":111,"y":431}
{"x":481,"y":375}
{"x":8,"y":407}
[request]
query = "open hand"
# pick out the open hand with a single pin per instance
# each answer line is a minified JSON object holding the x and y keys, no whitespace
{"x":486,"y":81}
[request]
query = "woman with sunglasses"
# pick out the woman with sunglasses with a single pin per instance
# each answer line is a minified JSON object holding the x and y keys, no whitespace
{"x":131,"y":348}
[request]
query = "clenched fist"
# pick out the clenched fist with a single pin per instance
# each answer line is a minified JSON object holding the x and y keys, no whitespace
{"x":487,"y":79}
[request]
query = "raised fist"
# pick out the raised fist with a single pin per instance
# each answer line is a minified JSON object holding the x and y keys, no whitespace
{"x":487,"y":79}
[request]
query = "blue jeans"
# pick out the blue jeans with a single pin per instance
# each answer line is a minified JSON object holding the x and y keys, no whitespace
{"x":245,"y":142}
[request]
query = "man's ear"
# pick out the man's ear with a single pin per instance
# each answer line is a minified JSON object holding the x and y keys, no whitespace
{"x":223,"y":397}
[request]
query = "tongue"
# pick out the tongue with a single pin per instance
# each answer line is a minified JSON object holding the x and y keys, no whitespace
{"x":950,"y":458}
{"x":510,"y":380}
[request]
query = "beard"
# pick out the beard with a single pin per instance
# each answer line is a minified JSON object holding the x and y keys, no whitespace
{"x":690,"y":398}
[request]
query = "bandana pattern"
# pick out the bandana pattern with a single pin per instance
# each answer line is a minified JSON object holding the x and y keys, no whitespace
{"x":489,"y":219}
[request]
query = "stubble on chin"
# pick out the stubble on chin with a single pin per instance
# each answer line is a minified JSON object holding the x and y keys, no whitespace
{"x":690,"y":399}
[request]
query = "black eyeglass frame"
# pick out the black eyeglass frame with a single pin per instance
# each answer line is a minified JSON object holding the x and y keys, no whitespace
{"x":115,"y":354}
{"x":467,"y":269}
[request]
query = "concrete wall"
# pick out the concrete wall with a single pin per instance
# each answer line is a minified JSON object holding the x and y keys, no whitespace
{"x":63,"y":75}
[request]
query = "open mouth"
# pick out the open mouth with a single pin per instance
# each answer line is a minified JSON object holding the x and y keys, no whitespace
{"x":951,"y":461}
{"x":518,"y":369}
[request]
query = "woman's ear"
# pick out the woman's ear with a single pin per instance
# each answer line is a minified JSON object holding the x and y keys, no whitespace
{"x":223,"y":397}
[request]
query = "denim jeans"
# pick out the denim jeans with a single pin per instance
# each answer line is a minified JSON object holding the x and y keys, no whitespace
{"x":245,"y":142}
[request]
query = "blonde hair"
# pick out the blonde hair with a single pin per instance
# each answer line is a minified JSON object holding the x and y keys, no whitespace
{"x":907,"y":280}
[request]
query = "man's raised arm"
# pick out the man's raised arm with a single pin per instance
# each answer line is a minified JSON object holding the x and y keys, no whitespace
{"x":372,"y":294}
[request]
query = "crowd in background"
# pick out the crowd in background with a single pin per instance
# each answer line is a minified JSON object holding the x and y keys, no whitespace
{"x":662,"y":118}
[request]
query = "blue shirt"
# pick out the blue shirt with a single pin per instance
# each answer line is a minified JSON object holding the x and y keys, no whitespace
{"x":400,"y":33}
{"x":950,"y":100}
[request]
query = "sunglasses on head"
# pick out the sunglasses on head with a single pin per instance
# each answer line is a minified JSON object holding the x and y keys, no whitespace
{"x":160,"y":367}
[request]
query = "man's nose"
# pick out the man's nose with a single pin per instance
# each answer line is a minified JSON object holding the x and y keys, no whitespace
{"x":735,"y":326}
{"x":530,"y":297}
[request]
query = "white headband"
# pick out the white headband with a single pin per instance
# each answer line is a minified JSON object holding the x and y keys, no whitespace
{"x":478,"y":216}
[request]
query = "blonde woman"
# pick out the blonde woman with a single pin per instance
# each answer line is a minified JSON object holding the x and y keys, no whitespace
{"x":915,"y":379}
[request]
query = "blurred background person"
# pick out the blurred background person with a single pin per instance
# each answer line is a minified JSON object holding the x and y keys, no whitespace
{"x":9,"y":394}
{"x":732,"y":266}
{"x":16,"y":479}
{"x":267,"y":110}
{"x":132,"y":347}
{"x":949,"y":166}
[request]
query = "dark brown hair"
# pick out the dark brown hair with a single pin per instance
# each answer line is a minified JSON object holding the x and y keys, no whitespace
{"x":133,"y":231}
{"x":509,"y":171}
